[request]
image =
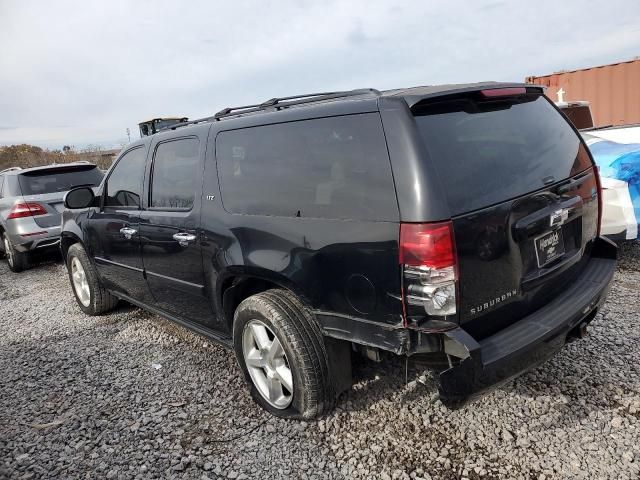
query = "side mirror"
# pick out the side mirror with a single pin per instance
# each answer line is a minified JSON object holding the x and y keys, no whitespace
{"x":81,"y":197}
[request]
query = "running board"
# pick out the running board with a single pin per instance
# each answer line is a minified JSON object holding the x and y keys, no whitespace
{"x":226,"y":342}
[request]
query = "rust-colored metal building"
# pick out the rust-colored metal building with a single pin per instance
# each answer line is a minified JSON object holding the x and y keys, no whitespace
{"x":612,"y":90}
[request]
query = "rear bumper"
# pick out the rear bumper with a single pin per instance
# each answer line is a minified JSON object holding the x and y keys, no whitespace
{"x":530,"y":341}
{"x":28,"y":236}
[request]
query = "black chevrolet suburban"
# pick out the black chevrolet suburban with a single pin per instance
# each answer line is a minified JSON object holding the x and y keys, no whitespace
{"x":456,"y":223}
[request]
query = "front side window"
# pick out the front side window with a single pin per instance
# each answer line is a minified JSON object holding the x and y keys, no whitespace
{"x":335,"y":167}
{"x":124,"y":186}
{"x":175,"y":169}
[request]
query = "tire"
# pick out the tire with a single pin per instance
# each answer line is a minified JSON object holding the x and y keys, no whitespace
{"x":92,"y":297}
{"x":286,"y":319}
{"x":17,"y":261}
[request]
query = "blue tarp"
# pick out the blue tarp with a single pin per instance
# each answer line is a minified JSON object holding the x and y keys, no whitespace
{"x":620,"y":161}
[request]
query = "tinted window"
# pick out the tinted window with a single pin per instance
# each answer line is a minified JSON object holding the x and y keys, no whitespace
{"x":175,"y":168}
{"x":489,"y":152}
{"x":124,"y":185}
{"x":329,"y":168}
{"x":58,"y":180}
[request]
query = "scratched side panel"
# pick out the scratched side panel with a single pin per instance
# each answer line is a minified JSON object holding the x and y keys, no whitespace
{"x":347,"y":267}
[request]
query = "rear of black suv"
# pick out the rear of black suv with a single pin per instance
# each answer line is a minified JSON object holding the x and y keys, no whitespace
{"x":501,"y":259}
{"x":455,"y":224}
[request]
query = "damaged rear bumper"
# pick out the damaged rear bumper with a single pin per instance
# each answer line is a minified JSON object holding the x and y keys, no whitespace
{"x":478,"y":365}
{"x":532,"y":340}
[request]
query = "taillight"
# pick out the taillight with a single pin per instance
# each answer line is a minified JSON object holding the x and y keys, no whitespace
{"x":429,"y":268}
{"x":26,"y":209}
{"x":596,"y":172}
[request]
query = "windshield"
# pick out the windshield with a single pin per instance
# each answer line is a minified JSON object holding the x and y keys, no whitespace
{"x":487,"y":152}
{"x":58,"y":180}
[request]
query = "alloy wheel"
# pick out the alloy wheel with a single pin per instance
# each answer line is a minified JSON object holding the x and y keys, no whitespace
{"x":267,"y":364}
{"x":80,"y":283}
{"x":8,"y":251}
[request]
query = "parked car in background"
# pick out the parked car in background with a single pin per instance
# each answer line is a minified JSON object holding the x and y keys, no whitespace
{"x":31,"y":202}
{"x":619,"y":165}
{"x":458,"y":223}
{"x":616,"y":150}
{"x":621,"y":134}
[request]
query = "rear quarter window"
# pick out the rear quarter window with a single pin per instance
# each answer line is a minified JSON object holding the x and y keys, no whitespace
{"x":335,"y":167}
{"x":487,"y":152}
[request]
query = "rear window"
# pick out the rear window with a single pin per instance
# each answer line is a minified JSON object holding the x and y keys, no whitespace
{"x":487,"y":152}
{"x":58,"y":180}
{"x":334,"y":167}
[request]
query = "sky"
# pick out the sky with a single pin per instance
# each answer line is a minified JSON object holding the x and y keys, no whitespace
{"x":82,"y":72}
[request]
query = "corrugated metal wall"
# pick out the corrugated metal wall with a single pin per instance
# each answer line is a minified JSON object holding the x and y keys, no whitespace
{"x":612,"y":90}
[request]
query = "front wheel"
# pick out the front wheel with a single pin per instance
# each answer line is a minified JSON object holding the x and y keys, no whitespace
{"x":281,"y":352}
{"x":92,"y":297}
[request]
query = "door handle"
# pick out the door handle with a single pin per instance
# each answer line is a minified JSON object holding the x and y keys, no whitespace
{"x":184,"y":238}
{"x":128,"y":232}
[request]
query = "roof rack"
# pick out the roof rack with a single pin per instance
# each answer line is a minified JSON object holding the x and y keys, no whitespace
{"x":294,"y":100}
{"x":10,"y":169}
{"x":277,"y":103}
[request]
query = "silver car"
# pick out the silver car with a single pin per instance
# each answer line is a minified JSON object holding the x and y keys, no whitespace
{"x":31,"y":202}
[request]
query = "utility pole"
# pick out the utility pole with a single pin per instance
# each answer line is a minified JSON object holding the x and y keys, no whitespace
{"x":129,"y":134}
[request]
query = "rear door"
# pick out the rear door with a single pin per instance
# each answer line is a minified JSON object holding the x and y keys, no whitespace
{"x":522,"y":193}
{"x":111,"y":235}
{"x":169,"y":228}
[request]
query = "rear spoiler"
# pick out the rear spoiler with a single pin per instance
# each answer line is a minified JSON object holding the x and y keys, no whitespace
{"x":413,"y":100}
{"x":59,"y":168}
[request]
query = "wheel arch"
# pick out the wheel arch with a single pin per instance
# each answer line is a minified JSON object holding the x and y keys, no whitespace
{"x":238,"y":286}
{"x":66,"y":240}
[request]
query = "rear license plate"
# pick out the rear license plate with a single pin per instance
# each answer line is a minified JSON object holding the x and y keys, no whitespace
{"x":549,"y":247}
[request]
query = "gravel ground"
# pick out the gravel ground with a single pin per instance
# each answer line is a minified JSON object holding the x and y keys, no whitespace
{"x":80,"y":397}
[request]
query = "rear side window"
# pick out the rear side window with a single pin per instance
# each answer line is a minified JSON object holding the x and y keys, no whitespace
{"x":175,"y":169}
{"x":41,"y":182}
{"x":487,"y":152}
{"x":124,"y":185}
{"x":334,"y":167}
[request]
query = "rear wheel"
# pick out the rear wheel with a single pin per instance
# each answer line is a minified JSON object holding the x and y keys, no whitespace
{"x":281,"y":351}
{"x":92,"y":297}
{"x":17,"y":261}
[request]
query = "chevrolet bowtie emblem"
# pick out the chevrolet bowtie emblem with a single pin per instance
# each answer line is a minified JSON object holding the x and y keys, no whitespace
{"x":558,"y":217}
